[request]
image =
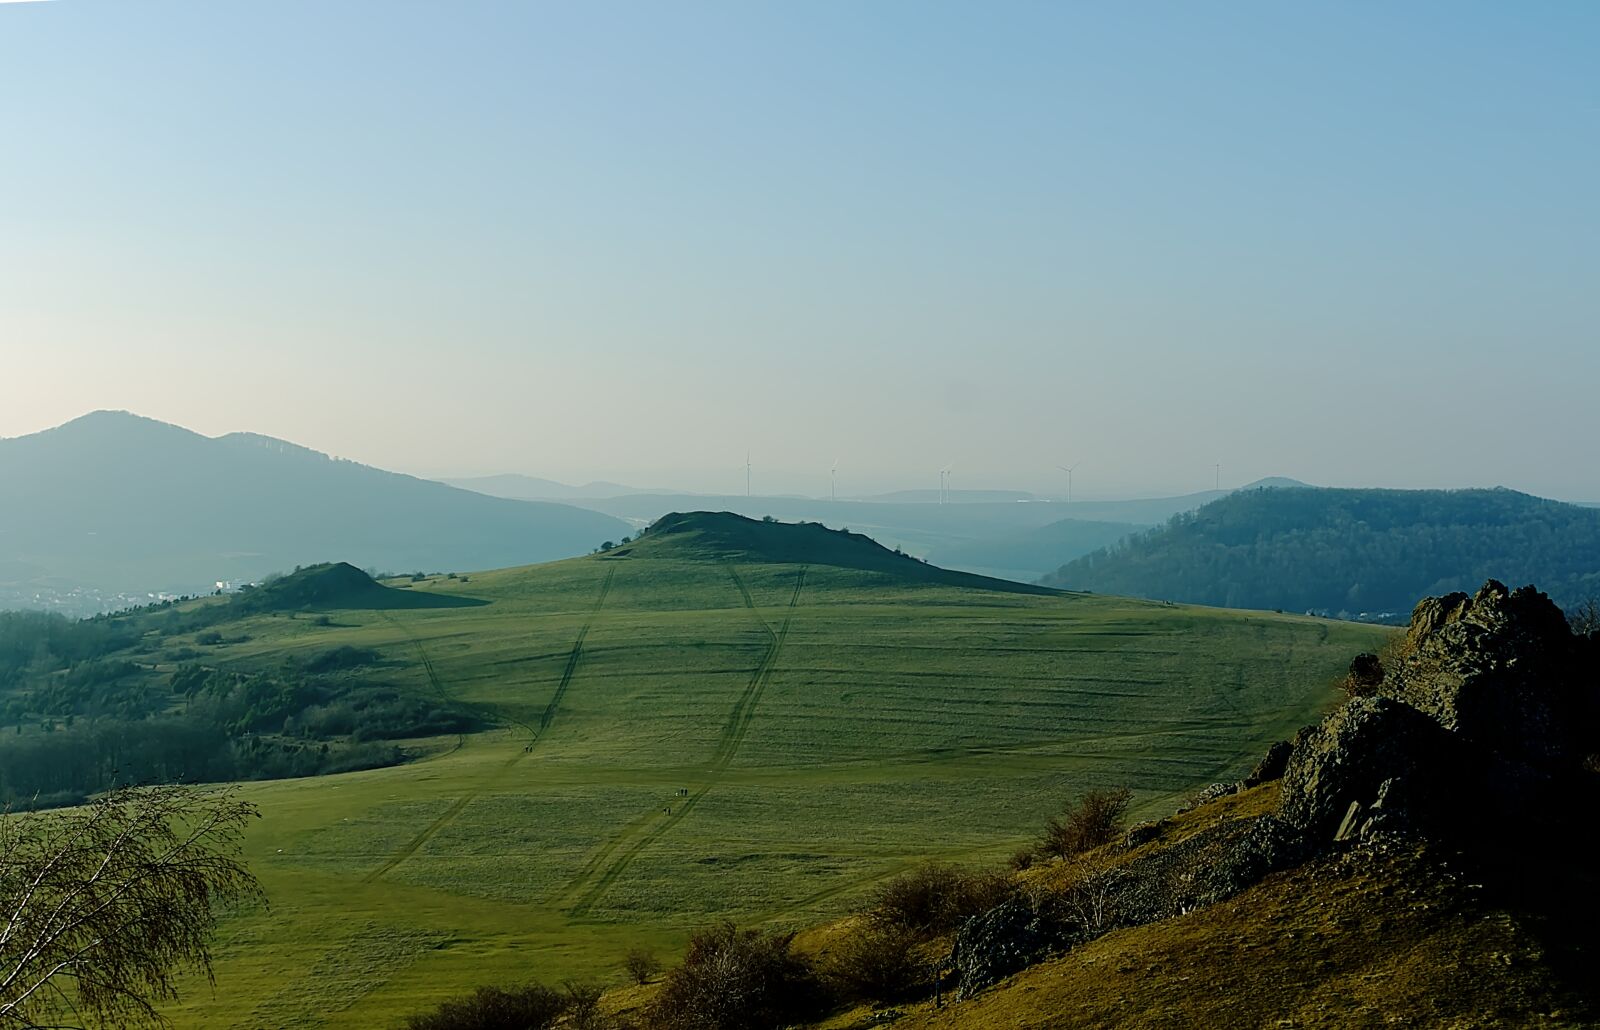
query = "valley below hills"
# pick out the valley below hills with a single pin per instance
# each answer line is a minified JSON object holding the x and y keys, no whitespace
{"x":722,"y":718}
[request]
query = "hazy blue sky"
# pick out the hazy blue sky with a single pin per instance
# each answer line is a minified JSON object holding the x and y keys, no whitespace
{"x":1356,"y":243}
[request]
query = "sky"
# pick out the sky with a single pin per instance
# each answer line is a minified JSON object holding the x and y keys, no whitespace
{"x":1354,"y":243}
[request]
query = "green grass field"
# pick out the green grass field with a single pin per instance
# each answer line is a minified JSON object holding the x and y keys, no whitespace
{"x":689,"y":734}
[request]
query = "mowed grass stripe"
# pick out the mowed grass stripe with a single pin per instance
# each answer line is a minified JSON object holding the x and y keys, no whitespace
{"x":415,"y":844}
{"x":737,"y":728}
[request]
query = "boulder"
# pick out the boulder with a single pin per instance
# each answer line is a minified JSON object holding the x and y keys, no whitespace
{"x":1352,"y":754}
{"x":1501,"y":669}
{"x":1271,"y":765}
{"x":1007,"y":938}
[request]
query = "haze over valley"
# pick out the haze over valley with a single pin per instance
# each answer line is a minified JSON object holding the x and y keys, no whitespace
{"x":795,"y":516}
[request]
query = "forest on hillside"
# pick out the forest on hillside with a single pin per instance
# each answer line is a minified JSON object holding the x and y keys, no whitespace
{"x":138,"y":698}
{"x":1351,"y":551}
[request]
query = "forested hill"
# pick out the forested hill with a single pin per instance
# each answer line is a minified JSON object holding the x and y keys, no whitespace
{"x":1350,"y":550}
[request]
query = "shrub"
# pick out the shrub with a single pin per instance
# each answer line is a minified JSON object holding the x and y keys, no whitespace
{"x":734,"y":979}
{"x":1096,"y":818}
{"x":583,"y":1006}
{"x":1365,"y":676}
{"x":875,"y":962}
{"x":641,"y":965}
{"x":937,"y":897}
{"x":1022,"y":859}
{"x":533,"y":1007}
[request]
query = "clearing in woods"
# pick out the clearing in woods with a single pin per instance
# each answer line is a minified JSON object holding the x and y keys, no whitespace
{"x":832,"y":710}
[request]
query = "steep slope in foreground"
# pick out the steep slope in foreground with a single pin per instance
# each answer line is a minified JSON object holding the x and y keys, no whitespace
{"x":1413,"y":864}
{"x":1350,"y":550}
{"x":117,"y":503}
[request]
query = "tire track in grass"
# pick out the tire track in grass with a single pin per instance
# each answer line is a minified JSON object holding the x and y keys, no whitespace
{"x":549,"y":714}
{"x":728,"y":743}
{"x":414,"y":845}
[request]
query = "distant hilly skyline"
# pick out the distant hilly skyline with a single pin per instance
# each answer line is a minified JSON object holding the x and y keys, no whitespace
{"x":114,"y":507}
{"x":114,"y":504}
{"x":1350,"y":552}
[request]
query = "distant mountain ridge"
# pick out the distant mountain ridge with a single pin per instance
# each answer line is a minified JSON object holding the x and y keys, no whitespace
{"x":113,"y":503}
{"x":1353,"y":551}
{"x":518,"y":487}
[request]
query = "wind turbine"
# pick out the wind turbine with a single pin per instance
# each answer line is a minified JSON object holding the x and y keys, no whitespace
{"x":944,"y":483}
{"x":747,"y":474}
{"x":833,"y":477}
{"x":1219,"y":476}
{"x":1068,"y":470}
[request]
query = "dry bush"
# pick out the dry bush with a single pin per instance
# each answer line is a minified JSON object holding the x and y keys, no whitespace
{"x":1096,"y":818}
{"x":583,"y":1006}
{"x":1022,"y":859}
{"x":875,"y":962}
{"x":532,"y":1007}
{"x":734,"y":979}
{"x":1365,"y":675}
{"x":641,"y":965}
{"x":1091,"y":899}
{"x":936,"y":897}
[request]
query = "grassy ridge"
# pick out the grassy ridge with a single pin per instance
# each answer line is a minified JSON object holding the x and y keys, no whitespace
{"x":829,"y":725}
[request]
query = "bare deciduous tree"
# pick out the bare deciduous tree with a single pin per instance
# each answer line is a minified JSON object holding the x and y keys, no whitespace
{"x":1585,"y":616}
{"x":105,"y":904}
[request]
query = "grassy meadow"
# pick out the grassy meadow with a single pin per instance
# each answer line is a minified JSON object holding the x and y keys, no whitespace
{"x":686,"y":733}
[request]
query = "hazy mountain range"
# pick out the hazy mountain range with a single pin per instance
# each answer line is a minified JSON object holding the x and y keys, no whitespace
{"x":113,"y":504}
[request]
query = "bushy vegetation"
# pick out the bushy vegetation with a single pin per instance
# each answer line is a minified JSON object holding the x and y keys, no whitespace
{"x":734,"y":979}
{"x":641,"y":965}
{"x":1351,"y":551}
{"x":1094,"y":819}
{"x":84,"y":710}
{"x":936,"y":897}
{"x":530,"y":1007}
{"x":875,"y":962}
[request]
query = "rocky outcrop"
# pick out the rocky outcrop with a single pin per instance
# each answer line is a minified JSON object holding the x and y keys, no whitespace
{"x":1370,"y":742}
{"x":1486,"y":709}
{"x":1484,"y":706}
{"x":1011,"y":936}
{"x":1271,"y":766}
{"x":1500,"y":668}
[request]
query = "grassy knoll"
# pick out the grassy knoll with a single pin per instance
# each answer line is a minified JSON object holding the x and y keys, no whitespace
{"x":707,"y":726}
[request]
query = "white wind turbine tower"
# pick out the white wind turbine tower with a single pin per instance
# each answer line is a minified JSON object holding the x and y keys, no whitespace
{"x":1218,"y":467}
{"x":833,"y":478}
{"x":1068,"y":470}
{"x":944,"y":483}
{"x":747,"y":473}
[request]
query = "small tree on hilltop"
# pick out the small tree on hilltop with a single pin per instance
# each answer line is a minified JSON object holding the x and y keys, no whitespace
{"x":1585,"y":617}
{"x":641,"y":965}
{"x":103,"y":905}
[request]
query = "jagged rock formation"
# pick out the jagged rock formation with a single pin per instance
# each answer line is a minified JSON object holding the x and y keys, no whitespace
{"x":1501,"y":669}
{"x":1487,"y":717}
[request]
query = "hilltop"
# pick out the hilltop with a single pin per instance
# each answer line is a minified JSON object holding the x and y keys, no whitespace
{"x":999,"y":534}
{"x":115,"y":504}
{"x":1350,"y":551}
{"x":724,"y":536}
{"x":332,"y":586}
